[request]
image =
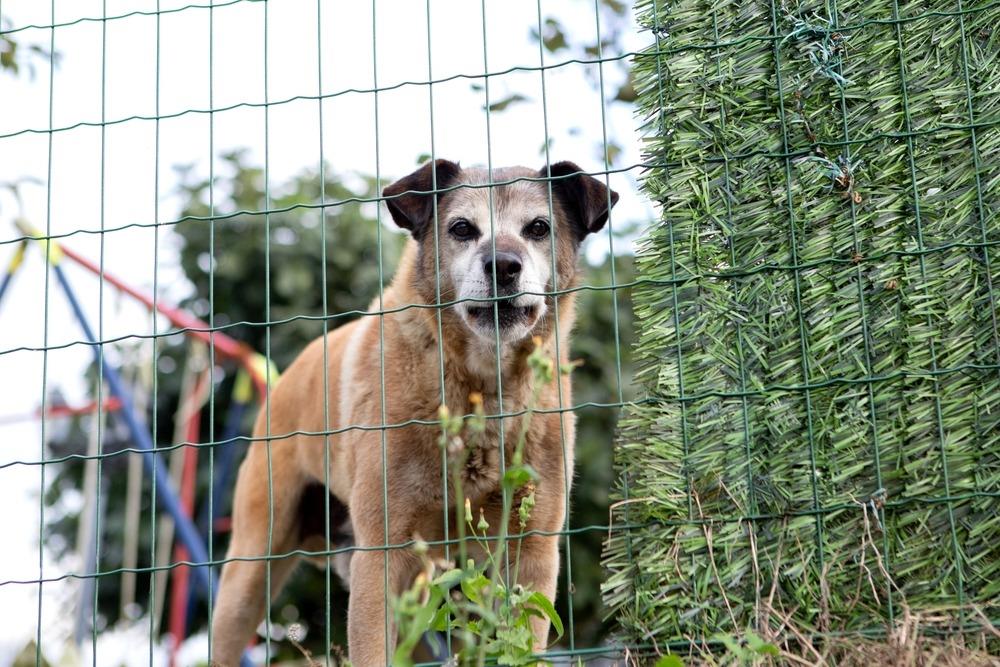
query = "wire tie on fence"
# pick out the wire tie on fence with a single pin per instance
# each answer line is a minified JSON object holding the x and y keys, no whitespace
{"x":877,"y":502}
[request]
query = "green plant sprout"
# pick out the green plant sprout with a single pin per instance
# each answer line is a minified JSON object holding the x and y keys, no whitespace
{"x":488,"y":614}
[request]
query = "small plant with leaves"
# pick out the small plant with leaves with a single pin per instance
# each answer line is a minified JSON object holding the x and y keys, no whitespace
{"x":749,"y":649}
{"x":479,"y":602}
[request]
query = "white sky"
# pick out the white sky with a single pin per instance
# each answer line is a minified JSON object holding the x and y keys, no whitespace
{"x":130,"y":170}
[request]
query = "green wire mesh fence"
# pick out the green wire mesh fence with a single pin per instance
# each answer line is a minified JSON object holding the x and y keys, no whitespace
{"x":275,"y":260}
{"x":818,"y":327}
{"x":814,"y":451}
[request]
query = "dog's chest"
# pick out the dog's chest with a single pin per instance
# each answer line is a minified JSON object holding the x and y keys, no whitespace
{"x":480,"y":462}
{"x":481,"y":472}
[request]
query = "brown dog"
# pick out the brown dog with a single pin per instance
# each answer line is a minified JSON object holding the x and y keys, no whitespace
{"x":361,"y":390}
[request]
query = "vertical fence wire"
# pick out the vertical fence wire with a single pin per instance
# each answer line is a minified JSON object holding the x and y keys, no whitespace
{"x":154,"y":355}
{"x":45,"y":333}
{"x":268,"y":575}
{"x":727,"y":190}
{"x":977,"y":173}
{"x":865,"y":336}
{"x":501,"y":446}
{"x":918,"y":225}
{"x":796,"y":281}
{"x":567,"y":468}
{"x":383,"y":419}
{"x":327,"y":575}
{"x":100,"y":333}
{"x":445,"y":494}
{"x":210,"y":528}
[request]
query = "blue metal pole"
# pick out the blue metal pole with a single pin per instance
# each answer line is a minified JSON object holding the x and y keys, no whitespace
{"x":185,"y":528}
{"x":6,"y":281}
{"x":223,"y":471}
{"x":87,"y":590}
{"x":12,"y":267}
{"x":224,"y":463}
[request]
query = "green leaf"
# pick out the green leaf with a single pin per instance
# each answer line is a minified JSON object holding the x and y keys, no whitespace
{"x":555,"y":38}
{"x":441,"y":618}
{"x":449,"y":578}
{"x":544,"y":605}
{"x":473,"y":588}
{"x":513,"y":645}
{"x":627,"y":92}
{"x":731,"y":644}
{"x":669,"y":661}
{"x":518,"y":476}
{"x":612,"y":152}
{"x":507,"y":101}
{"x":759,"y":646}
{"x":402,"y":656}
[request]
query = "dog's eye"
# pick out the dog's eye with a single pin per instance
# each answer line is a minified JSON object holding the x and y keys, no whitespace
{"x":463,"y":230}
{"x":537,"y":229}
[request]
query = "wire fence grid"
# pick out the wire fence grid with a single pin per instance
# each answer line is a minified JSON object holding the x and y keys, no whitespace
{"x":163,"y":405}
{"x":816,"y":328}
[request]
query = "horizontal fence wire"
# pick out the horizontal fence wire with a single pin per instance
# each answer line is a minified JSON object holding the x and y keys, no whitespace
{"x":803,"y":152}
{"x":642,"y":282}
{"x":927,"y":375}
{"x":597,"y":528}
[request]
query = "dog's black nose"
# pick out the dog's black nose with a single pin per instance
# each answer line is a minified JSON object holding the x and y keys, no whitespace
{"x":508,"y":265}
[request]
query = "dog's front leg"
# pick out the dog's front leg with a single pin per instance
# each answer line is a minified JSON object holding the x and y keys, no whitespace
{"x":539,"y":571}
{"x":371,"y":633}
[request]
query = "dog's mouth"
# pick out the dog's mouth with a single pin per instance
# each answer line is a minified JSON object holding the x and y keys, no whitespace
{"x":508,"y":314}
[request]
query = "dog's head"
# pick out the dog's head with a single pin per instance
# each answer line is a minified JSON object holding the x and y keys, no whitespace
{"x":498,"y":239}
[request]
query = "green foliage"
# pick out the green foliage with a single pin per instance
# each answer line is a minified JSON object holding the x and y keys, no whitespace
{"x":669,"y":661}
{"x":749,"y":649}
{"x":491,"y":618}
{"x":818,"y":335}
{"x":293,"y":284}
{"x":15,"y":57}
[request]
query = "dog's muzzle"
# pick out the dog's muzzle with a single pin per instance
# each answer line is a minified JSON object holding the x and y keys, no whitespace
{"x":512,"y":313}
{"x":507,"y":312}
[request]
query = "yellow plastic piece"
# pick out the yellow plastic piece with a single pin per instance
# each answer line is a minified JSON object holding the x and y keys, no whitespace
{"x":243,"y":389}
{"x":51,"y":248}
{"x":264,"y":368}
{"x":18,"y":258}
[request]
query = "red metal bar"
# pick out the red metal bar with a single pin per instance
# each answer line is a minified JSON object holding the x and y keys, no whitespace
{"x":110,"y":404}
{"x":225,"y":346}
{"x":189,"y":477}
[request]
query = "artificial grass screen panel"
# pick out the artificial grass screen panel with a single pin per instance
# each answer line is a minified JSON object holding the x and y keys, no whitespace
{"x":819,"y":446}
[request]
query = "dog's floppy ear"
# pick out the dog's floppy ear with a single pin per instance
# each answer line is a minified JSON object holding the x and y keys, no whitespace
{"x":410,"y":199}
{"x":585,"y":199}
